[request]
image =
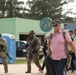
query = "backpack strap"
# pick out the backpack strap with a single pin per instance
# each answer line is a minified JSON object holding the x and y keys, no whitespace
{"x":65,"y":45}
{"x":64,"y":33}
{"x":50,"y":37}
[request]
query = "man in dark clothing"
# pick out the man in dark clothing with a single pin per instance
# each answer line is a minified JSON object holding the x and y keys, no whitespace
{"x":48,"y":62}
{"x":44,"y":51}
{"x":72,"y":67}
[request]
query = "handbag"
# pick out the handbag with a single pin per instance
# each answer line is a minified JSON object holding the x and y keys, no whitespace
{"x":50,"y":66}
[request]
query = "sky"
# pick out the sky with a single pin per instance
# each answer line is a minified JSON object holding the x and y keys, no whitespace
{"x":66,"y":7}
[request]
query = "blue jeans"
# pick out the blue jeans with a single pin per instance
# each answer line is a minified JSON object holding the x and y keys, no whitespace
{"x":60,"y":64}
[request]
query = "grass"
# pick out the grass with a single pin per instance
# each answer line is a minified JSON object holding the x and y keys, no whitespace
{"x":24,"y":61}
{"x":20,"y":62}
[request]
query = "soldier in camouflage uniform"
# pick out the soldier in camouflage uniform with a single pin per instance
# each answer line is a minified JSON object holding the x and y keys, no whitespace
{"x":3,"y":53}
{"x":32,"y":51}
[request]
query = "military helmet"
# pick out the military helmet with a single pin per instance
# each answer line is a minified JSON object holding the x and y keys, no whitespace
{"x":32,"y":32}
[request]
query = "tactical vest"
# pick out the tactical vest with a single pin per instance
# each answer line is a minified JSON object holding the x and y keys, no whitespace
{"x":34,"y":43}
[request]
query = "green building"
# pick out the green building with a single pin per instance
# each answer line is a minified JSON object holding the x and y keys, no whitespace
{"x":20,"y":27}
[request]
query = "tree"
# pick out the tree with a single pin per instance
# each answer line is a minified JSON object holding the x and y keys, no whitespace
{"x":39,"y":9}
{"x":11,"y":8}
{"x":2,"y":8}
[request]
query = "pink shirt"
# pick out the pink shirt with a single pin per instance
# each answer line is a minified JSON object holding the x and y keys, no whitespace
{"x":57,"y":45}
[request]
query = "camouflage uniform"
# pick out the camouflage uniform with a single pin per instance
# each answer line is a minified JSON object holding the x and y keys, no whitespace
{"x":33,"y":52}
{"x":3,"y":54}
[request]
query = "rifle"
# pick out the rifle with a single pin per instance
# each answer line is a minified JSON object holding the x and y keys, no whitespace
{"x":31,"y":46}
{"x":8,"y":56}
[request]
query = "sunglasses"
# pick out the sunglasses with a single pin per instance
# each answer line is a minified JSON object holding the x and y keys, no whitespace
{"x":55,"y":25}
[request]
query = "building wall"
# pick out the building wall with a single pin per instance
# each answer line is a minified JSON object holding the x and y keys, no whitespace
{"x":23,"y":26}
{"x":17,"y":26}
{"x":8,"y":26}
{"x":69,"y":25}
{"x":26,"y":25}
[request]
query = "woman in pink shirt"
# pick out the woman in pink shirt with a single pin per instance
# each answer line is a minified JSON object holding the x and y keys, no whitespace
{"x":56,"y":47}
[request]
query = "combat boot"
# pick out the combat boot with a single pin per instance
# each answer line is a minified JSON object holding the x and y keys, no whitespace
{"x":41,"y":70}
{"x":6,"y":71}
{"x":28,"y":72}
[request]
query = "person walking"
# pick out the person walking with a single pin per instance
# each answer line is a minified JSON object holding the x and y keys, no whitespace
{"x":44,"y":51}
{"x":74,"y":33}
{"x":75,"y":37}
{"x":72,"y":66}
{"x":33,"y":46}
{"x":3,"y":53}
{"x":56,"y":47}
{"x":71,"y":33}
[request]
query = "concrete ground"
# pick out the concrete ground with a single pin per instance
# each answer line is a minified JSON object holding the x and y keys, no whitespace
{"x":19,"y":69}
